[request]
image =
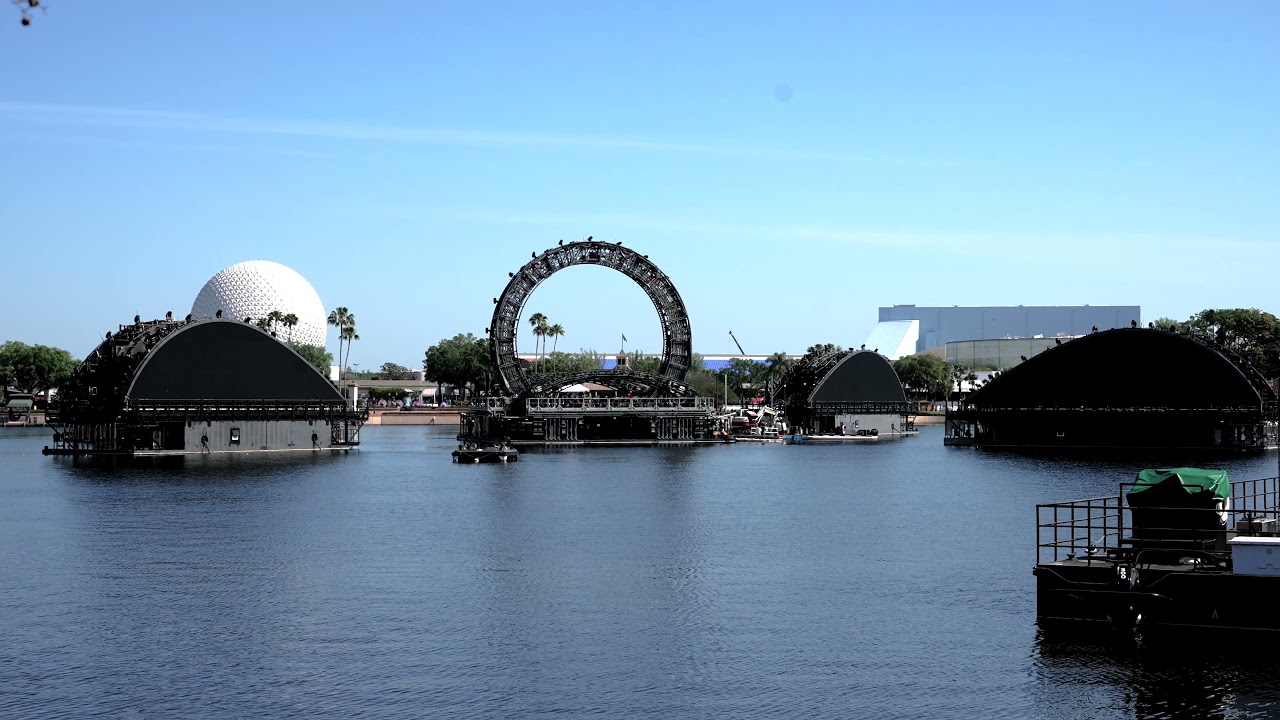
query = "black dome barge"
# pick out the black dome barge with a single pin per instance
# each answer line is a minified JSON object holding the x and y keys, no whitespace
{"x":1124,"y":389}
{"x":207,"y":386}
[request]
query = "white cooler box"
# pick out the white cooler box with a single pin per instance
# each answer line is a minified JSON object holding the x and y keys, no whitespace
{"x":1255,"y":555}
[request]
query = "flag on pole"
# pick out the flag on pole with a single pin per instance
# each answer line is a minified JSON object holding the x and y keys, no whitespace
{"x":624,"y":337}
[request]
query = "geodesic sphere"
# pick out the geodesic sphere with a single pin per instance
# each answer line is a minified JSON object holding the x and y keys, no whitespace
{"x":253,"y":289}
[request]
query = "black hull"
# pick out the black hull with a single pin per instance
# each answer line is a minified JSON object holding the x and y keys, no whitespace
{"x":1181,"y":598}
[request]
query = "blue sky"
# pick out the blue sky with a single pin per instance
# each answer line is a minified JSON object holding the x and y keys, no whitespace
{"x":791,"y":169}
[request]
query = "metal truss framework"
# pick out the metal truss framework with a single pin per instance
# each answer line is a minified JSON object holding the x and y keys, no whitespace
{"x":804,"y":377}
{"x":677,"y":338}
{"x":802,"y":380}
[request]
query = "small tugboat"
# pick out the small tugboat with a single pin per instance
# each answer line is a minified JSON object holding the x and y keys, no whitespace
{"x":470,"y":452}
{"x":1179,"y":549}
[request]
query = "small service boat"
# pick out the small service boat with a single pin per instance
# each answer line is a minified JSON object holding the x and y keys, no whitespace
{"x":1179,"y":550}
{"x":497,"y":453}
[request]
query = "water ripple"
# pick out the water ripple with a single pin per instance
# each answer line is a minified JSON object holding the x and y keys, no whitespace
{"x":890,"y":581}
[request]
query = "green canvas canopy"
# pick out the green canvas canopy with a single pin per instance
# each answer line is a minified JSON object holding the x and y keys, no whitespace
{"x":19,"y":404}
{"x":1192,"y":481}
{"x":1180,"y":506}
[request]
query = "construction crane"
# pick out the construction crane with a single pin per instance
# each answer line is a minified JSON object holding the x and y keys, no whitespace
{"x":735,"y":342}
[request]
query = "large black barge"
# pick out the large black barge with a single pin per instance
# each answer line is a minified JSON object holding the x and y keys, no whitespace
{"x":568,"y":420}
{"x":208,"y":386}
{"x":1177,"y":550}
{"x":1122,"y":389}
{"x":539,"y":408}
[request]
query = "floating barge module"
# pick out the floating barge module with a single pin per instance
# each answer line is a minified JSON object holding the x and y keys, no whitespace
{"x":165,"y":387}
{"x":1178,"y":549}
{"x":533,"y":409}
{"x":1123,"y":389}
{"x":567,"y":420}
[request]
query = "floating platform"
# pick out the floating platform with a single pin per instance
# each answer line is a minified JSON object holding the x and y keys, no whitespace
{"x":1208,"y":561}
{"x":179,"y":453}
{"x":490,"y":454}
{"x":621,"y":442}
{"x":830,"y":439}
{"x":564,"y":420}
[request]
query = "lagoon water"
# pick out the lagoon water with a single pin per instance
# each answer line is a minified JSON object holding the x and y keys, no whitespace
{"x":884,"y":580}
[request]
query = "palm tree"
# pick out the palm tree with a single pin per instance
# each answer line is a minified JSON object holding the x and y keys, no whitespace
{"x":556,"y":331}
{"x":341,"y":318}
{"x":269,"y":322}
{"x":538,"y":321}
{"x":779,"y":363}
{"x":349,"y":334}
{"x":290,"y":321}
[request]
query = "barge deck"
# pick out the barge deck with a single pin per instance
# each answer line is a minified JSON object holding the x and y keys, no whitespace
{"x":1203,"y":558}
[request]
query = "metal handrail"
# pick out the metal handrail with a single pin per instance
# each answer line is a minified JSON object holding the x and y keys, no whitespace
{"x":606,"y":405}
{"x":1101,"y":528}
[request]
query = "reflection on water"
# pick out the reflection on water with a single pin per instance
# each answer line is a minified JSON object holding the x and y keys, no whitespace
{"x":1200,"y":677}
{"x":889,"y":580}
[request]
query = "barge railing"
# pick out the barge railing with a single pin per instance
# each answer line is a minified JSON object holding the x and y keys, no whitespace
{"x":619,"y":405}
{"x":1101,"y":529}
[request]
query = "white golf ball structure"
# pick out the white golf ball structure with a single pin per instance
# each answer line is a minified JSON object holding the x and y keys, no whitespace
{"x":253,"y":289}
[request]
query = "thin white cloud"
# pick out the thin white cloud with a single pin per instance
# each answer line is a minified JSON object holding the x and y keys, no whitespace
{"x":131,"y":118}
{"x":962,"y":242}
{"x":122,"y":144}
{"x":1055,"y":254}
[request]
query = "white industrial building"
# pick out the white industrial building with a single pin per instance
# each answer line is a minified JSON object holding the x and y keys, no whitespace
{"x":907,"y":329}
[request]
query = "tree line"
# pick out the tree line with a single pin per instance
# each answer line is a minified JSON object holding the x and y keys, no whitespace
{"x":463,"y":361}
{"x":34,"y":368}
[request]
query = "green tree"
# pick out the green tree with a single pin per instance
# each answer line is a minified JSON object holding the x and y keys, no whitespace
{"x":821,"y":349}
{"x":1170,"y":325}
{"x":460,"y":362}
{"x":640,"y":362}
{"x":960,"y":373}
{"x":1253,"y":334}
{"x":34,"y":368}
{"x":745,"y":378}
{"x":779,"y":363}
{"x":392,"y":371}
{"x":559,"y":362}
{"x":705,"y":383}
{"x":925,"y":375}
{"x":319,"y":358}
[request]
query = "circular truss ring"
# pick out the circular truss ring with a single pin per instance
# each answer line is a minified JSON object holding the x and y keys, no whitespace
{"x":677,"y":338}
